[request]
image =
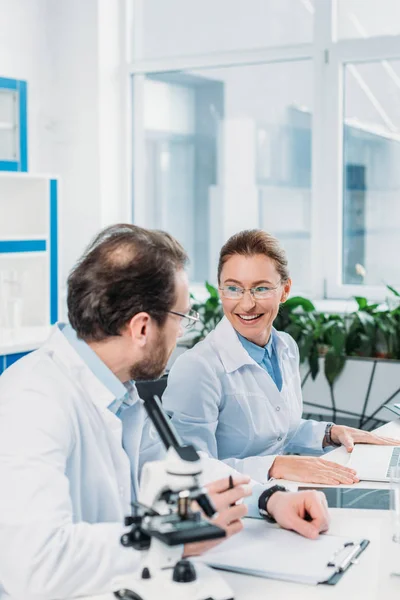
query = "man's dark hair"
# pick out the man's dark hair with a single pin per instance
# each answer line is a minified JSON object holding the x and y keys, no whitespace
{"x":124,"y":271}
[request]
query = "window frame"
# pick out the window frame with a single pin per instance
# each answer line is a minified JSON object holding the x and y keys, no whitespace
{"x":329,"y":56}
{"x":19,"y":87}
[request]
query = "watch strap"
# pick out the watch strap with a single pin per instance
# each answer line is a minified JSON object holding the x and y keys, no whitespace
{"x":263,"y":499}
{"x":328,"y":440}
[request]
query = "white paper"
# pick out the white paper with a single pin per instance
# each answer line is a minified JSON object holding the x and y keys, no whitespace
{"x":279,"y":554}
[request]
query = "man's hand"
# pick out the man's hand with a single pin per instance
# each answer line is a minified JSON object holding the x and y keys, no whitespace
{"x":311,"y":470}
{"x":290,"y":510}
{"x":348,"y":436}
{"x":229,"y":514}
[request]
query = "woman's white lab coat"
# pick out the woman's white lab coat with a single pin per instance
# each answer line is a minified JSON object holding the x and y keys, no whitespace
{"x":227,"y":405}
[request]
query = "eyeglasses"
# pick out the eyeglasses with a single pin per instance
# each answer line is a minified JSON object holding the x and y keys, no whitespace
{"x":233,"y":292}
{"x":189,"y":319}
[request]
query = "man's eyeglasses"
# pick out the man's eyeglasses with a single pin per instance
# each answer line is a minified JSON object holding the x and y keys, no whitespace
{"x":233,"y":292}
{"x":189,"y":319}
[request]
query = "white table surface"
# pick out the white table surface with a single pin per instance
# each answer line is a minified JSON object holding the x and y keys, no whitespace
{"x":370,"y":579}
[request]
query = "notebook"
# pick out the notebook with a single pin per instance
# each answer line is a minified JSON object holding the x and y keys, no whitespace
{"x":268,"y":551}
{"x":374,"y":463}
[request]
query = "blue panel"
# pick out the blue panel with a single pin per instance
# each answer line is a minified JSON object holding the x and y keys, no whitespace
{"x":11,"y":246}
{"x":9,"y":165}
{"x":23,"y":126}
{"x":12,"y":358}
{"x":2,"y":364}
{"x":53,"y":252}
{"x":9,"y":84}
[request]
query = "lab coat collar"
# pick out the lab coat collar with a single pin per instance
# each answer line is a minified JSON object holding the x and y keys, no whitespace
{"x":61,"y":349}
{"x":231,"y":351}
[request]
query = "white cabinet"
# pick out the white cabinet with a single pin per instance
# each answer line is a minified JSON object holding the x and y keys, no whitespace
{"x":28,"y":251}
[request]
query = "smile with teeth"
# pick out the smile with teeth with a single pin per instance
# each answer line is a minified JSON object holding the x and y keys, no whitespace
{"x":249,"y":317}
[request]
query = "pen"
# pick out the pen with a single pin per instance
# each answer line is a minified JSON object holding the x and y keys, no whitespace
{"x":231,"y":486}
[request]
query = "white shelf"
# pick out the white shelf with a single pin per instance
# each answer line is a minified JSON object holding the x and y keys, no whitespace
{"x":25,"y":175}
{"x":24,"y":339}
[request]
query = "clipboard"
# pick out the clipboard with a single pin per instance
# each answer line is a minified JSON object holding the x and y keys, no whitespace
{"x":267,"y":551}
{"x":346,"y":562}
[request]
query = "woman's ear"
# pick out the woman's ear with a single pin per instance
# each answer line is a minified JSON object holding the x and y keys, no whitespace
{"x":286,"y":290}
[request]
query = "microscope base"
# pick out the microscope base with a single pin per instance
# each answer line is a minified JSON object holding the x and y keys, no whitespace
{"x":209,"y":585}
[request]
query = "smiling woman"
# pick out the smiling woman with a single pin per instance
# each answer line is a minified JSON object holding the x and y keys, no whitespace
{"x":237,"y":394}
{"x":253,"y":280}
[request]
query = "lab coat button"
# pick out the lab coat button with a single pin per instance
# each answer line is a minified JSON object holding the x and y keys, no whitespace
{"x":278,"y":408}
{"x":279,"y":439}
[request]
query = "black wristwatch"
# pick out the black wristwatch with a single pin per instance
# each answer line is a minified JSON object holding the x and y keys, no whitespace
{"x":263,"y":499}
{"x":328,"y":440}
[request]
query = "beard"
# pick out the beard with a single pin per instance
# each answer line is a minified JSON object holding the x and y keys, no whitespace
{"x":152,"y":366}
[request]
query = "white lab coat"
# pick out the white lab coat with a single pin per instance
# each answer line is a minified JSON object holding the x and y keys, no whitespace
{"x":68,"y":470}
{"x":228,"y":406}
{"x":65,"y":477}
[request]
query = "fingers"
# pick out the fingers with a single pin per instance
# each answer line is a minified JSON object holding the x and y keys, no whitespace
{"x":333,"y":474}
{"x":332,"y":477}
{"x":291,"y":509}
{"x":347,"y":441}
{"x":337,"y":467}
{"x":231,"y":514}
{"x":230,"y":519}
{"x":316,"y":506}
{"x":225,"y":499}
{"x":233,"y":528}
{"x":382,"y":441}
{"x":304,"y":528}
{"x":366,"y":437}
{"x":221,"y":485}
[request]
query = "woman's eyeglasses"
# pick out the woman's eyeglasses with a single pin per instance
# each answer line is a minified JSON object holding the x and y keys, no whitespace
{"x":233,"y":292}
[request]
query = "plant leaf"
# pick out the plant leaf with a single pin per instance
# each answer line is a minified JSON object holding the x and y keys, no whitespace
{"x":212,"y":290}
{"x":297,"y":301}
{"x":395,"y":292}
{"x":362,"y":302}
{"x":313,"y":361}
{"x":333,"y":366}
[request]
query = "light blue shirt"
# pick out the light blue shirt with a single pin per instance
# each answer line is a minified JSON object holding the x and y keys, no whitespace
{"x":122,"y":393}
{"x":265,"y":356}
{"x":226,"y":404}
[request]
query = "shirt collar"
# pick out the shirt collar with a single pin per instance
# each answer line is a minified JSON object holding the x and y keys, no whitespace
{"x":257,"y":353}
{"x":232,"y":353}
{"x":120,"y":392}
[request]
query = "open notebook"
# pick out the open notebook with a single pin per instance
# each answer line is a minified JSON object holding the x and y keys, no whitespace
{"x":279,"y":554}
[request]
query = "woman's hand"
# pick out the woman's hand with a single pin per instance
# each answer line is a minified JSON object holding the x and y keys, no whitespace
{"x":348,"y":436}
{"x":305,"y":512}
{"x":311,"y":470}
{"x":229,"y":514}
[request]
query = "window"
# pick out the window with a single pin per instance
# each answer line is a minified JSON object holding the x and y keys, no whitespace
{"x":187,"y":27}
{"x":367,"y":18}
{"x":228,"y":149}
{"x":280,"y":114}
{"x":371,"y":195}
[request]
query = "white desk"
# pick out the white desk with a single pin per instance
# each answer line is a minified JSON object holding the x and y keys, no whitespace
{"x":368,"y":580}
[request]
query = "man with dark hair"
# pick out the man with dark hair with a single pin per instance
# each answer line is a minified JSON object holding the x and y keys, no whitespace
{"x":74,"y":434}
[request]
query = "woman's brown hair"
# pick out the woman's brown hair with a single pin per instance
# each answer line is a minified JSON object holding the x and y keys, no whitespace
{"x":251,"y":242}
